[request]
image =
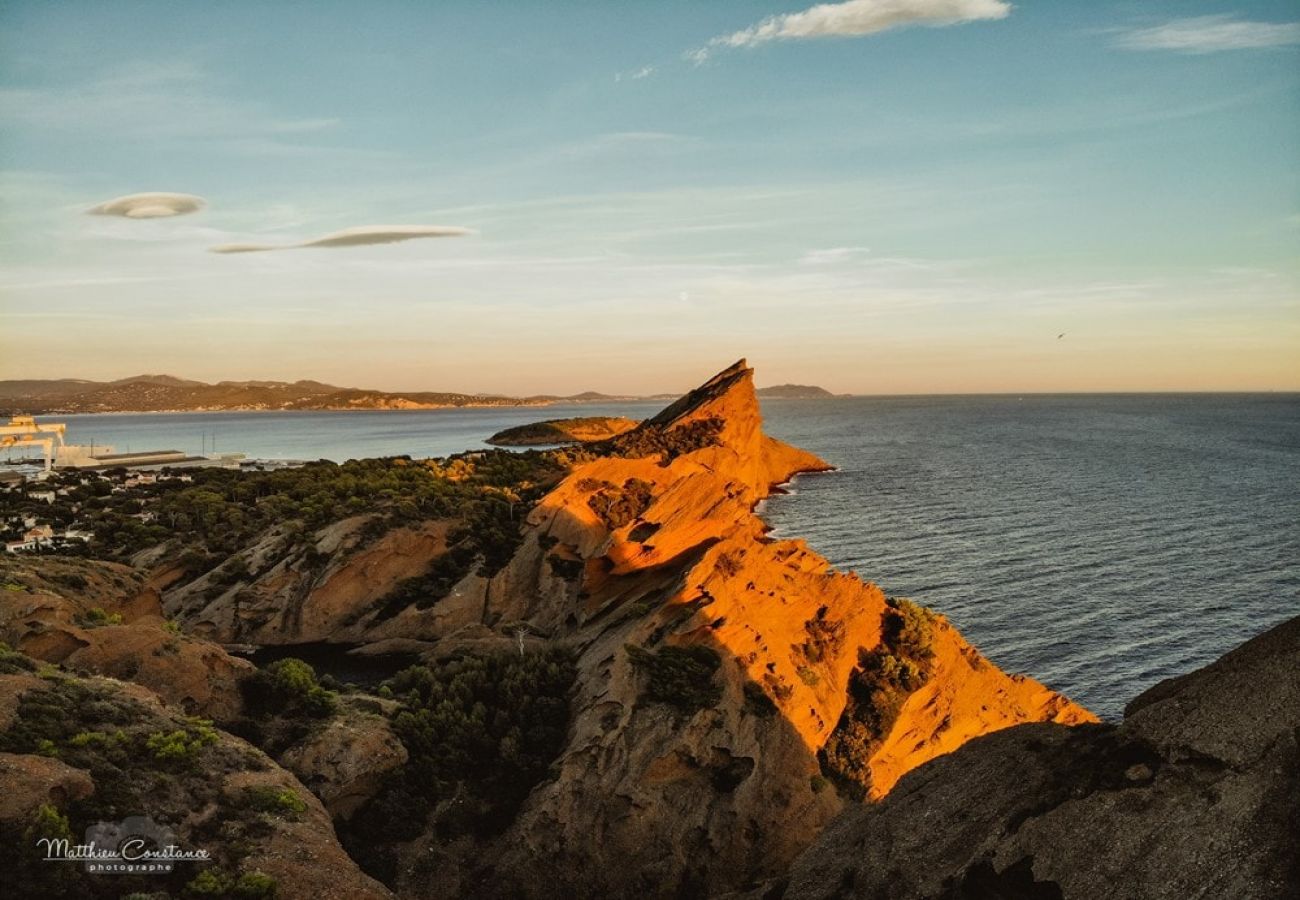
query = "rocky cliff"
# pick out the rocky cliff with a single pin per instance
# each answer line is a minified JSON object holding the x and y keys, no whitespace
{"x":731,"y":693}
{"x":715,"y":665}
{"x":1195,"y":795}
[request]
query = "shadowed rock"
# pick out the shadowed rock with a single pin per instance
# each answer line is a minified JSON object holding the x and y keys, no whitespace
{"x":1195,"y":794}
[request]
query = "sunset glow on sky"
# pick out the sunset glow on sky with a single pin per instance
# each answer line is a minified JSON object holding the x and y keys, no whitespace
{"x":958,"y":196}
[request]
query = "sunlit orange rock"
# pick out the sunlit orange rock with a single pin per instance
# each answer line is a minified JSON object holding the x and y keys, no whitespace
{"x":670,"y":552}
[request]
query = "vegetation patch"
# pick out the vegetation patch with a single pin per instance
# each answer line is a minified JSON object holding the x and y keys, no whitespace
{"x":274,"y":801}
{"x":284,"y":702}
{"x":481,"y":732}
{"x":877,"y":689}
{"x":682,"y":677}
{"x":96,"y":616}
{"x":617,"y":506}
{"x":142,"y":762}
{"x":667,"y":443}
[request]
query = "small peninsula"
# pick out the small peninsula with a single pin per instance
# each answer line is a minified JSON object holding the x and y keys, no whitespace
{"x":579,"y":430}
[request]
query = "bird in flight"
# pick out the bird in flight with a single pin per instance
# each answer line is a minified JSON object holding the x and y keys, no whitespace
{"x":1061,"y":335}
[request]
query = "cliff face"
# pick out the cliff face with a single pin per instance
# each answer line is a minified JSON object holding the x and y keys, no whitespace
{"x":641,"y":560}
{"x":1195,"y":794}
{"x":733,"y":692}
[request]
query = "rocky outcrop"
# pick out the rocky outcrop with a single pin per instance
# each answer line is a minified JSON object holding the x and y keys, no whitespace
{"x":1195,"y":794}
{"x":719,"y":671}
{"x":101,"y":618}
{"x":97,"y":750}
{"x":291,"y":592}
{"x":31,"y":781}
{"x":654,"y":547}
{"x":345,"y":761}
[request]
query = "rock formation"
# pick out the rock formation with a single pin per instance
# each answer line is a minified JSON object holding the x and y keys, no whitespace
{"x":99,"y":750}
{"x":654,"y":547}
{"x":1195,"y":794}
{"x":733,"y":693}
{"x":101,"y":618}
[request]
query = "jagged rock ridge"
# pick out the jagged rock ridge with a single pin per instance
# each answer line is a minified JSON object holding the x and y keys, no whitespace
{"x":665,"y":551}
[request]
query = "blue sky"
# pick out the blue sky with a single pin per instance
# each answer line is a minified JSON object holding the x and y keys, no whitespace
{"x":874,"y":204}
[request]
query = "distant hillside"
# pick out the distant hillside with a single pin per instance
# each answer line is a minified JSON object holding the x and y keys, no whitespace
{"x":159,"y":393}
{"x":167,"y":393}
{"x":794,"y":392}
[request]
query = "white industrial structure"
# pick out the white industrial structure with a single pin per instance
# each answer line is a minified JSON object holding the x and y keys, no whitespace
{"x":22,"y":431}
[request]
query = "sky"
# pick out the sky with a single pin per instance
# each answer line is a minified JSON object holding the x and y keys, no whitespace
{"x":876,"y":196}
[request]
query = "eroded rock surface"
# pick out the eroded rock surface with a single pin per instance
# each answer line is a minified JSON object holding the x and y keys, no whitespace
{"x":1195,"y":795}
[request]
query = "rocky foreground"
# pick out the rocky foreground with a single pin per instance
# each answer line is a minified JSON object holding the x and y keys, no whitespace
{"x":625,"y":688}
{"x":1196,"y":794}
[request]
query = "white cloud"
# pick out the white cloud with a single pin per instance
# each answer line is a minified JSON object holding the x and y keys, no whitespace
{"x":856,"y":18}
{"x":1210,"y":34}
{"x":152,"y":205}
{"x":356,"y":237}
{"x":636,"y":74}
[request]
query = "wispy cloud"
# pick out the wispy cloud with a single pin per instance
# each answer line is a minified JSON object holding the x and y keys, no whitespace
{"x":1211,"y":34}
{"x":831,"y":255}
{"x":855,"y":18}
{"x":356,"y":237}
{"x":636,"y":74}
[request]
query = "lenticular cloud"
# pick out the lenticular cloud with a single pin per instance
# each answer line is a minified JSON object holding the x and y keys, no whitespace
{"x":154,"y":205}
{"x":356,"y":237}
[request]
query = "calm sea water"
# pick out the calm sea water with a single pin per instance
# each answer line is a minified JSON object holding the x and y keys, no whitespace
{"x":1097,"y":543}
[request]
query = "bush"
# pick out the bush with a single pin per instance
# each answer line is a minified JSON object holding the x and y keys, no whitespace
{"x":878,"y":688}
{"x":12,"y":662}
{"x":288,"y":687}
{"x":218,"y":883}
{"x":183,"y":744}
{"x":682,"y":677}
{"x":275,"y":801}
{"x":97,"y":616}
{"x":617,"y":506}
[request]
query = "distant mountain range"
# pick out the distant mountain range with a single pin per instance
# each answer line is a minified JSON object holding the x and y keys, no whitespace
{"x":167,"y":393}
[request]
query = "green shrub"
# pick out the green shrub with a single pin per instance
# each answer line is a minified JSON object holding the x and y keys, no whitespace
{"x":12,"y":662}
{"x":276,"y":801}
{"x":617,"y":506}
{"x":182,"y":745}
{"x":48,"y":822}
{"x":825,"y":637}
{"x":682,"y":677}
{"x":885,"y":677}
{"x":288,"y":687}
{"x":97,"y":616}
{"x":218,"y":883}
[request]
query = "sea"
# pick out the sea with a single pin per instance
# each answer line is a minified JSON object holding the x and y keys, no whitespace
{"x":1098,"y":543}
